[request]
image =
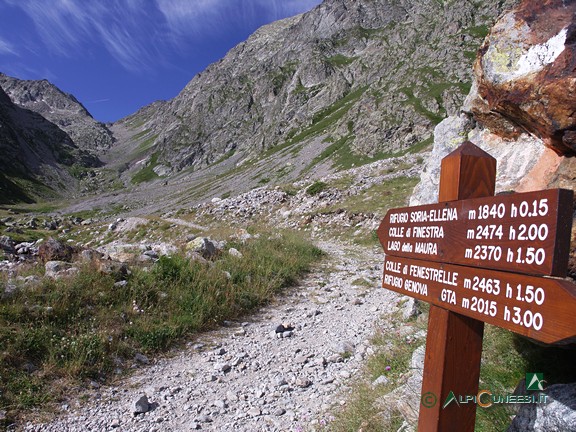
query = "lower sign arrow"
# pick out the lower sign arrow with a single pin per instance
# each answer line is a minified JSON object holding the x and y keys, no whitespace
{"x":539,"y":308}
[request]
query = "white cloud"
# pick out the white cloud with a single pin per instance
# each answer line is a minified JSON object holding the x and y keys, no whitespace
{"x":194,"y":17}
{"x":68,"y":27}
{"x":7,"y":48}
{"x":139,"y":32}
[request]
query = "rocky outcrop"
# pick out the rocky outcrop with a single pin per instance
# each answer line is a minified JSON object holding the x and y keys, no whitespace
{"x":377,"y":74}
{"x":36,"y":155}
{"x":525,"y":78}
{"x":520,"y":108}
{"x":557,"y":414}
{"x":60,"y":108}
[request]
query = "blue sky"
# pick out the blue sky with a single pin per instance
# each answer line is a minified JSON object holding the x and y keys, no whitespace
{"x":116,"y":56}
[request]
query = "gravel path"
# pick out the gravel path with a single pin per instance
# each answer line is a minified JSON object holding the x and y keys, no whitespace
{"x":245,"y":376}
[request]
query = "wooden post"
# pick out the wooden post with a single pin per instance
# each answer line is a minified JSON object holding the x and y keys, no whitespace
{"x":454,"y":342}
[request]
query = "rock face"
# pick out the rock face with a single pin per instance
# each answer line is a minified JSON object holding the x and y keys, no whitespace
{"x":521,"y":103}
{"x":35,"y":155}
{"x":371,"y":75}
{"x":60,"y":108}
{"x":558,"y":414}
{"x":525,"y":75}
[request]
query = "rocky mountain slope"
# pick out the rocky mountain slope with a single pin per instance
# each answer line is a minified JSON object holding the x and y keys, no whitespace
{"x":346,"y":83}
{"x":354,"y":77}
{"x":37,"y":155}
{"x":60,"y":108}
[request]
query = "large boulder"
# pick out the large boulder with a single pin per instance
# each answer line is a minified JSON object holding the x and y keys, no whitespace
{"x":520,"y":108}
{"x":7,"y":244}
{"x":54,"y":250}
{"x":525,"y":75}
{"x":557,"y":414}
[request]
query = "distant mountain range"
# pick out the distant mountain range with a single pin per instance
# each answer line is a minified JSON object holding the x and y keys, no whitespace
{"x":353,"y":79}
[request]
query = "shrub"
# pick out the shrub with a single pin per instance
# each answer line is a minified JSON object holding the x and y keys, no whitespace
{"x":316,"y":187}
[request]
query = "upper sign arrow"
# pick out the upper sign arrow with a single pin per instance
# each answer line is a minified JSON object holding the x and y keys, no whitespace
{"x":524,"y":233}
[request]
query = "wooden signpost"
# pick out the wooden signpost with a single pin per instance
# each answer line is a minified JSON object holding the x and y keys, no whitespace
{"x":477,"y":258}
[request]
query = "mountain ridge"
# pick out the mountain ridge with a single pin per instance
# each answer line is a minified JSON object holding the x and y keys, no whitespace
{"x":347,"y":83}
{"x":37,"y":156}
{"x":325,"y":72}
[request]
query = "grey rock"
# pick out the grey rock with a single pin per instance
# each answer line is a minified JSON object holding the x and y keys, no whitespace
{"x":203,"y":246}
{"x":235,"y":252}
{"x":410,"y":308}
{"x":303,"y":382}
{"x":222,"y":367}
{"x":204,"y":418}
{"x":345,"y":348}
{"x":220,"y":403}
{"x":335,"y":358}
{"x":152,"y":254}
{"x":300,"y":359}
{"x":281,"y":382}
{"x":557,"y":414}
{"x":381,"y":380}
{"x":142,"y":405}
{"x":141,"y":358}
{"x":57,"y":269}
{"x":7,"y":244}
{"x":254,"y":412}
{"x":61,"y":109}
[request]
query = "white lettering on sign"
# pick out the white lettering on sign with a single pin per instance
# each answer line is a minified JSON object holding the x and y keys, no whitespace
{"x":448,"y":296}
{"x":416,"y":287}
{"x":396,"y":232}
{"x":399,"y":218}
{"x":434,"y":215}
{"x":530,"y":209}
{"x":435,"y":275}
{"x":392,"y":280}
{"x":428,"y":232}
{"x":426,"y":248}
{"x":524,"y":318}
{"x":393,"y":267}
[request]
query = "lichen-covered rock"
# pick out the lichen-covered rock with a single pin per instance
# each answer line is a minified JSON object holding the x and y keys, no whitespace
{"x":7,"y":244}
{"x":59,"y":269}
{"x":525,"y":76}
{"x":515,"y":159}
{"x":203,"y":246}
{"x":54,"y":250}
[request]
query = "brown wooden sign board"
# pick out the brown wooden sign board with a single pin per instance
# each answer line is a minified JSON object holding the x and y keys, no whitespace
{"x":525,"y":233}
{"x":540,"y":308}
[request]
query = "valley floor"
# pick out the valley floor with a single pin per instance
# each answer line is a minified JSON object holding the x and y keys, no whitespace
{"x":244,"y":376}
